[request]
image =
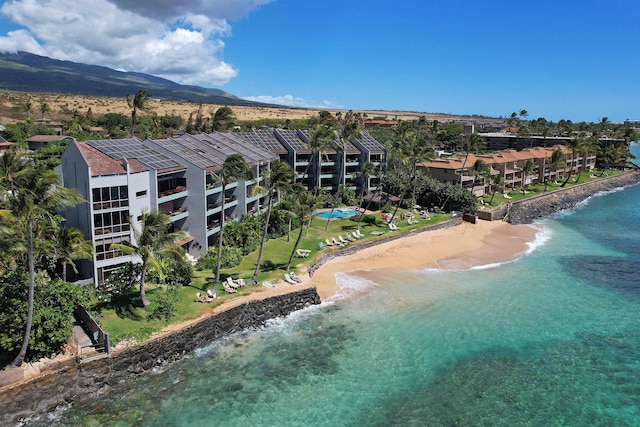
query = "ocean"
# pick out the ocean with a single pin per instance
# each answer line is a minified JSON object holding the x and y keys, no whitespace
{"x":552,"y":338}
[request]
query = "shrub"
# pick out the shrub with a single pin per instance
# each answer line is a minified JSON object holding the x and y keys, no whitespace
{"x":369,"y":219}
{"x":231,"y":257}
{"x":162,"y":304}
{"x":118,"y":283}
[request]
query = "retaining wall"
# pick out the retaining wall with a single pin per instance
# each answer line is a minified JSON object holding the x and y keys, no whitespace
{"x":528,"y":210}
{"x":82,"y":381}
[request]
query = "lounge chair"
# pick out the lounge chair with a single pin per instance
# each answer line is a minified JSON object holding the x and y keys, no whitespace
{"x":302,"y":253}
{"x":342,"y":240}
{"x":202,"y":298}
{"x":349,"y":237}
{"x":240,"y":282}
{"x":289,"y":280}
{"x":231,"y":283}
{"x":268,"y":284}
{"x":228,"y":289}
{"x":335,"y":242}
{"x":358,"y":234}
{"x":329,"y":243}
{"x":377,"y":233}
{"x":321,"y":245}
{"x":392,"y":226}
{"x":294,"y":277}
{"x":212,"y":294}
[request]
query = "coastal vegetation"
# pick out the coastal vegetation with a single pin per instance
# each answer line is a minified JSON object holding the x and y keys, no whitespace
{"x":260,"y":248}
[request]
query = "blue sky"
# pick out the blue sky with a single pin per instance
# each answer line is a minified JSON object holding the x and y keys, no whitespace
{"x":557,"y":59}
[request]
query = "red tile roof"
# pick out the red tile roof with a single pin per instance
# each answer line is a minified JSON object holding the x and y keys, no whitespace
{"x":101,"y":164}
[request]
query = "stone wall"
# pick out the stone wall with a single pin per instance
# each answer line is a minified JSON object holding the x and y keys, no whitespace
{"x":77,"y":382}
{"x":526,"y":211}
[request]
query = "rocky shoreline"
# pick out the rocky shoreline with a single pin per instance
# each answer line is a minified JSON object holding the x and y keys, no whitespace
{"x":76,"y":382}
{"x":527,"y":211}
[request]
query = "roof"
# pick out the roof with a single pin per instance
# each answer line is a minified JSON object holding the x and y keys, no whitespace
{"x":133,"y":148}
{"x":223,"y":144}
{"x":101,"y":164}
{"x":264,"y":139}
{"x":47,"y":138}
{"x":504,"y":156}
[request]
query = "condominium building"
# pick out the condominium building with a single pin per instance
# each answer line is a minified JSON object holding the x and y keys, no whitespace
{"x":120,"y":179}
{"x":510,"y":165}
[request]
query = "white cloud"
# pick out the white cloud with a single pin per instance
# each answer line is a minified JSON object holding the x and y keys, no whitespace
{"x":293,"y":101}
{"x":181,"y":41}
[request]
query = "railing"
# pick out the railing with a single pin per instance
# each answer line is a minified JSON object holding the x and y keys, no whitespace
{"x":99,"y":338}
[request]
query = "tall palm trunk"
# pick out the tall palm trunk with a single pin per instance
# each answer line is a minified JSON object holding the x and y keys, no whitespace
{"x":336,"y":201}
{"x":218,"y":264}
{"x":254,"y":279}
{"x":32,"y":281}
{"x":295,"y":245}
{"x":143,"y":277}
{"x":570,"y":172}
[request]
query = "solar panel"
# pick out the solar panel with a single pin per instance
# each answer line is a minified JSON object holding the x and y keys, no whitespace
{"x":370,"y":144}
{"x":191,"y":151}
{"x":264,"y":139}
{"x":291,"y":138}
{"x":225,"y":144}
{"x":134,"y":148}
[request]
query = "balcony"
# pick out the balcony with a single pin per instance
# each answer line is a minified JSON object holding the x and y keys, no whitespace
{"x":178,"y":214}
{"x":172,"y":194}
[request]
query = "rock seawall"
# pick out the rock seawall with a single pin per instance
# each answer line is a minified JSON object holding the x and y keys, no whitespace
{"x":526,"y":211}
{"x":83,"y":381}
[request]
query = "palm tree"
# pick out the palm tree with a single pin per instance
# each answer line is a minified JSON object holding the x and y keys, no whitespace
{"x":233,"y":168}
{"x":555,"y":163}
{"x":140,"y":101}
{"x":475,"y":143}
{"x":275,"y":180}
{"x":496,"y":185}
{"x":222,"y":119}
{"x":349,"y":132}
{"x":70,"y":245}
{"x":153,"y":241}
{"x":34,"y":199}
{"x":44,"y":109}
{"x":479,"y":169}
{"x":304,"y":207}
{"x":527,"y":169}
{"x":368,"y":170}
{"x":575,"y":144}
{"x":320,"y":139}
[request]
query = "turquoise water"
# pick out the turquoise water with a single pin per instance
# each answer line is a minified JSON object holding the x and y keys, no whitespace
{"x":337,"y":213}
{"x":550,"y":339}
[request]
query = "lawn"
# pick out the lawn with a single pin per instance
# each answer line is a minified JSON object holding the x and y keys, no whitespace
{"x":129,"y":319}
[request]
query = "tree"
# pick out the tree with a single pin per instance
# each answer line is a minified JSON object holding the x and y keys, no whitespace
{"x":368,"y":170}
{"x":575,"y":144}
{"x":140,"y":101}
{"x":153,"y":241}
{"x":304,"y":206}
{"x":70,"y":244}
{"x":222,"y":119}
{"x":527,"y":170}
{"x":321,"y":138}
{"x":44,"y":108}
{"x":34,"y":198}
{"x":475,"y":143}
{"x":496,"y":185}
{"x":480,"y":169}
{"x":555,"y":163}
{"x":233,"y":168}
{"x":350,"y":131}
{"x":276,"y":179}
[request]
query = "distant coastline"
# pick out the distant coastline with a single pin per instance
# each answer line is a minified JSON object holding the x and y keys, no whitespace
{"x":395,"y":251}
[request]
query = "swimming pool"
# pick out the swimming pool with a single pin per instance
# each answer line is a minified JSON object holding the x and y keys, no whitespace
{"x":337,"y":213}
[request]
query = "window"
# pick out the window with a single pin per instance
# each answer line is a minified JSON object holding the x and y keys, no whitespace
{"x":110,"y":197}
{"x":104,"y":249}
{"x":141,"y":193}
{"x":110,"y":222}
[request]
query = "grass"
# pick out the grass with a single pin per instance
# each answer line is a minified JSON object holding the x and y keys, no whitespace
{"x":129,"y":320}
{"x":539,"y":188}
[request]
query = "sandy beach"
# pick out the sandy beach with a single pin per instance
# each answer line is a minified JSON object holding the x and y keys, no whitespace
{"x":459,"y":247}
{"x":462,"y":246}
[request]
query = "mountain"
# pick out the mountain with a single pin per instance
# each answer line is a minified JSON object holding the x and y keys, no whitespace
{"x":27,"y":72}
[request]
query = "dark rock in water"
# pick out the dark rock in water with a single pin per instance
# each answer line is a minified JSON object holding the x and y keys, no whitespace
{"x":84,"y":381}
{"x":528,"y":210}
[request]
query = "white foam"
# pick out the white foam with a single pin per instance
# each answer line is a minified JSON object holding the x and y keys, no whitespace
{"x":565,"y":212}
{"x":351,"y":285}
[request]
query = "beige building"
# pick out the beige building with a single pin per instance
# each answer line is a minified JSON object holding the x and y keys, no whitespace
{"x":509,"y":164}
